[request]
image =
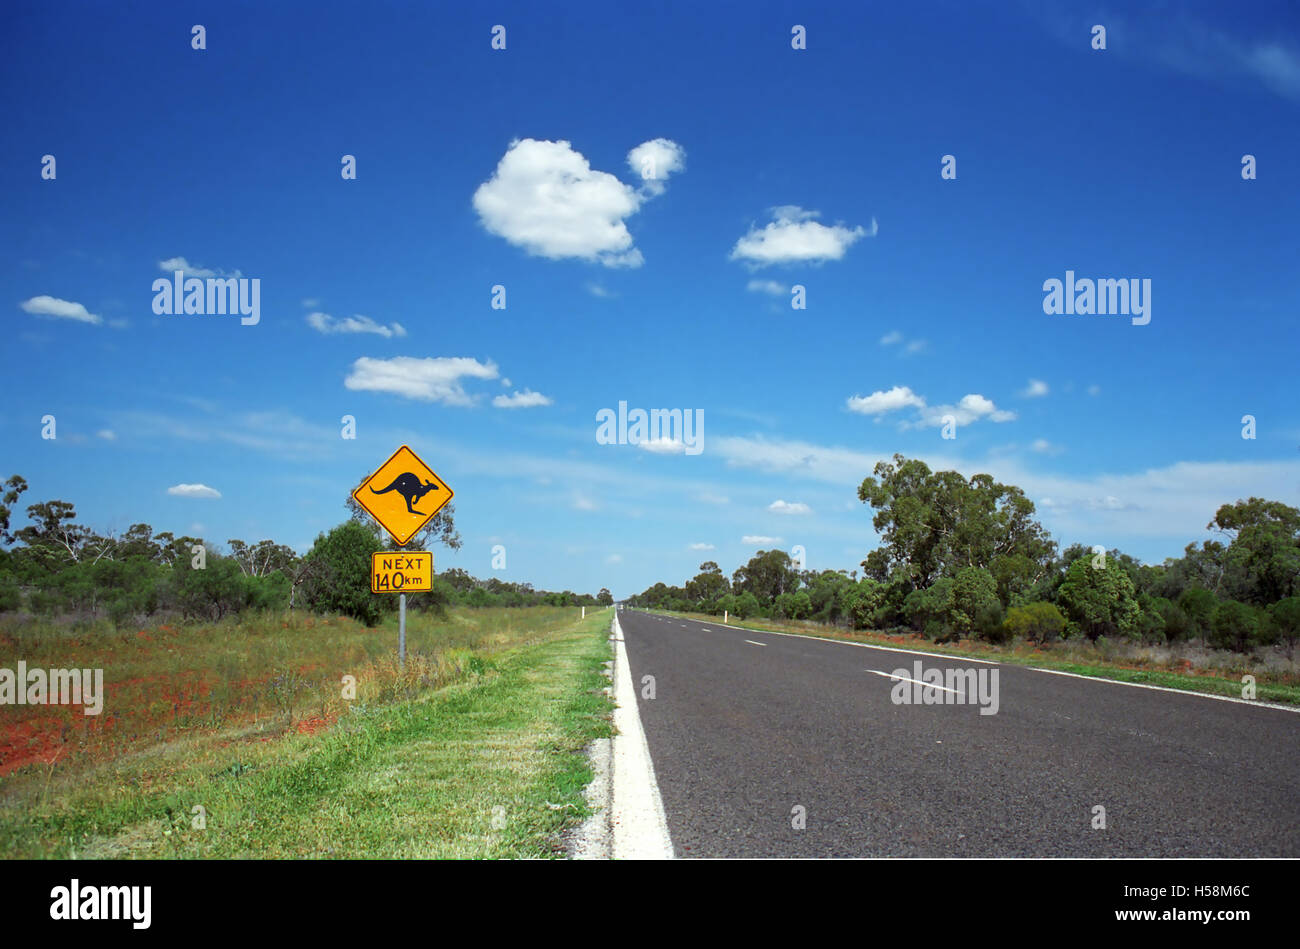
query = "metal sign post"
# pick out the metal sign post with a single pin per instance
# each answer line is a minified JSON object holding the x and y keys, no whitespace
{"x":401,"y":629}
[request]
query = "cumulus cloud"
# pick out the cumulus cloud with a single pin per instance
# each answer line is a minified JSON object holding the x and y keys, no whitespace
{"x":60,"y":310}
{"x":546,"y":198}
{"x":1037,"y":388}
{"x":878,"y":403}
{"x":663,"y":445}
{"x":1044,"y":447}
{"x":173,"y":264}
{"x":971,"y":408}
{"x":521,"y":400}
{"x":793,"y":236}
{"x":193,"y":491}
{"x":324,"y":323}
{"x":107,"y":434}
{"x":702,"y":547}
{"x":759,"y":539}
{"x":654,"y":161}
{"x":430,"y":379}
{"x":890,"y":338}
{"x":786,"y":507}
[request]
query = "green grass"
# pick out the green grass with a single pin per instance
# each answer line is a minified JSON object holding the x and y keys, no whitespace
{"x":489,"y":766}
{"x":1079,"y":662}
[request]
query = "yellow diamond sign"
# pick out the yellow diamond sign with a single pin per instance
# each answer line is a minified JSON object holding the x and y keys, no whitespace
{"x":403,"y":495}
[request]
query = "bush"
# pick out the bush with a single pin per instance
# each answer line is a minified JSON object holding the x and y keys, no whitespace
{"x":974,"y":599}
{"x":1233,"y":625}
{"x":1285,"y":618}
{"x":1197,"y":604}
{"x":1100,"y":601}
{"x":933,"y":604}
{"x":343,"y":585}
{"x":1038,"y":622}
{"x":746,"y":605}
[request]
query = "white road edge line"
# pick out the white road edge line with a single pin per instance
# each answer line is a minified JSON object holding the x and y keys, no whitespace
{"x":752,"y":643}
{"x":639,"y":825}
{"x":1164,"y":688}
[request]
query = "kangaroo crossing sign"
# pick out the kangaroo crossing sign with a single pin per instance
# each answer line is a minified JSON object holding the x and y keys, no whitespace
{"x":403,"y":495}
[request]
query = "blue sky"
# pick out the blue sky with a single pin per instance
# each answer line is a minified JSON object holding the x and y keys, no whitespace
{"x":775,"y":167}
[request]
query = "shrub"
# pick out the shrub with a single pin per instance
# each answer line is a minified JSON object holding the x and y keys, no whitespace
{"x":974,"y":597}
{"x":1233,"y":625}
{"x":1039,"y":622}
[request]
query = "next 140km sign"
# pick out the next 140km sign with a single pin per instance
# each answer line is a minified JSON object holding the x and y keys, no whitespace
{"x":397,"y":572}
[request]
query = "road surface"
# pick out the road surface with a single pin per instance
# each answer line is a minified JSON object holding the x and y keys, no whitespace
{"x":746,"y":728}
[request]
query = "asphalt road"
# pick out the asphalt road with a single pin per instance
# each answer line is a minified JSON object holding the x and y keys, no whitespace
{"x":743,"y":734}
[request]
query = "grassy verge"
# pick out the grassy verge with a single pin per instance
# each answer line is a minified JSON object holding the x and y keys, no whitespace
{"x":1079,"y":659}
{"x":487,"y":766}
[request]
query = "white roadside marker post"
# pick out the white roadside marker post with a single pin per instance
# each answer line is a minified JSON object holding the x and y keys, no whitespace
{"x":724,"y":617}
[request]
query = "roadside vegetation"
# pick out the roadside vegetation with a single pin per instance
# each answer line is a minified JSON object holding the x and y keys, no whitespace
{"x":964,"y":563}
{"x":474,"y":749}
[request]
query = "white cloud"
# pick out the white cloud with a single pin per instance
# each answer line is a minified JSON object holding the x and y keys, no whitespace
{"x":614,"y":558}
{"x":172,"y":264}
{"x":784,"y":507}
{"x":709,"y":498}
{"x":654,"y":161}
{"x":546,"y":198}
{"x":770,"y":287}
{"x":794,"y":237}
{"x":1044,"y":447}
{"x":702,"y":547}
{"x":311,"y":303}
{"x":324,"y":323}
{"x":894,"y":337}
{"x":521,"y":400}
{"x":759,"y":539}
{"x":1277,"y":66}
{"x":583,"y":503}
{"x":60,"y":309}
{"x":193,"y":491}
{"x":971,"y":408}
{"x":663,"y":445}
{"x":1037,"y":388}
{"x":431,"y":379}
{"x":882,"y":401}
{"x":107,"y":434}
{"x":1094,"y":390}
{"x":596,"y":290}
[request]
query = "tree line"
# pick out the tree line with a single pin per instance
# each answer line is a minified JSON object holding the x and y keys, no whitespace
{"x":965,"y":557}
{"x":56,"y":566}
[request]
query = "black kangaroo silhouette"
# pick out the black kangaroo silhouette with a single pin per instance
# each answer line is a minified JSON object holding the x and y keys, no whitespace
{"x":408,"y":486}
